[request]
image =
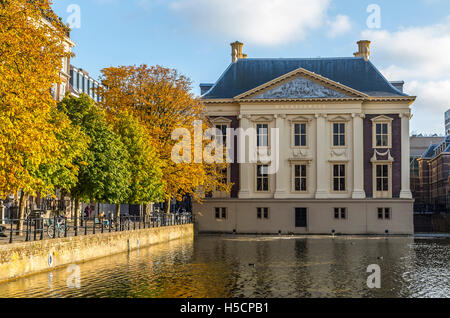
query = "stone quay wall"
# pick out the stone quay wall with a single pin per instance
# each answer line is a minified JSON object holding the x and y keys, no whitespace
{"x":26,"y":258}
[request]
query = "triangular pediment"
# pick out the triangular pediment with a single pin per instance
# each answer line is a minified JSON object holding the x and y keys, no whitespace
{"x":299,"y":88}
{"x":301,"y":84}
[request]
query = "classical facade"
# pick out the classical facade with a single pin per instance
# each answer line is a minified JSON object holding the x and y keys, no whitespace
{"x":59,"y":90}
{"x":344,"y":162}
{"x":81,"y":82}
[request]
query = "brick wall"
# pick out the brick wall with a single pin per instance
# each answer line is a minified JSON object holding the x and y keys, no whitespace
{"x":395,"y":153}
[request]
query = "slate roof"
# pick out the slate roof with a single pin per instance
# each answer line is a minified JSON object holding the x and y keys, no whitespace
{"x":353,"y":72}
{"x":430,"y":152}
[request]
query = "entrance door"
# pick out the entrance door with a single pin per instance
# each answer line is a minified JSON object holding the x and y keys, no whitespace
{"x":301,"y":217}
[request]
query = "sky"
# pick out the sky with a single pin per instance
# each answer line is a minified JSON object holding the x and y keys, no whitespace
{"x":410,"y":38}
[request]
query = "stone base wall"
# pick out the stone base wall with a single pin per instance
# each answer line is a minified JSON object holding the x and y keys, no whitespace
{"x":21,"y":259}
{"x":362,"y":217}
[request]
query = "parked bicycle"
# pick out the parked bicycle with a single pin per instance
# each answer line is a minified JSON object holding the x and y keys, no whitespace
{"x":59,"y":227}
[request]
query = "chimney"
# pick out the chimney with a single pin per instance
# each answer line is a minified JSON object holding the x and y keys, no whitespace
{"x":398,"y":85}
{"x":363,"y":50}
{"x":236,"y":51}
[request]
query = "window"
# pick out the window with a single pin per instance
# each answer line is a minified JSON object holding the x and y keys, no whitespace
{"x":221,"y":213}
{"x":300,"y":135}
{"x":77,"y":81}
{"x":339,"y":180}
{"x":262,"y":178}
{"x":62,"y":90}
{"x":382,"y":178}
{"x":340,"y":213}
{"x":53,"y":90}
{"x":300,"y":178}
{"x":339,"y":134}
{"x":262,"y":131}
{"x":224,"y":177}
{"x":222,"y":133}
{"x":262,"y":213}
{"x":301,"y":217}
{"x":382,"y":135}
{"x":89,"y":86}
{"x":384,"y":213}
{"x":83,"y":84}
{"x":64,"y":62}
{"x":224,"y":174}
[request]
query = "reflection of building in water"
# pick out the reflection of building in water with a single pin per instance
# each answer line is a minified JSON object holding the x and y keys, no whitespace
{"x":343,"y":140}
{"x":310,"y":267}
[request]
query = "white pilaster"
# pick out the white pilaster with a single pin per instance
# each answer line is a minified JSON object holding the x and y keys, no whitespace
{"x":244,"y":168}
{"x":322,"y":179}
{"x":358,"y":157}
{"x":282,"y":175}
{"x":405,"y":193}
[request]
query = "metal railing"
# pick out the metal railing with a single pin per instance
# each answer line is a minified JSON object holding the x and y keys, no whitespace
{"x":35,"y":229}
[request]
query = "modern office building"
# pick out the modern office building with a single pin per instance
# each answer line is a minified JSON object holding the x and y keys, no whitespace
{"x":81,"y":82}
{"x":343,"y":138}
{"x":447,"y":122}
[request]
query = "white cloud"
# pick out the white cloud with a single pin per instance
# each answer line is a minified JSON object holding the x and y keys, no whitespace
{"x":339,"y":26}
{"x":266,"y":22}
{"x":433,"y":99}
{"x":418,"y":55}
{"x":414,"y":52}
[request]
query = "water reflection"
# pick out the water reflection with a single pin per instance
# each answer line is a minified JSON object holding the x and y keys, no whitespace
{"x":244,"y":266}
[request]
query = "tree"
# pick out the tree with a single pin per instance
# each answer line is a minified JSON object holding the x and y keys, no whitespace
{"x":105,"y":174}
{"x":30,"y":60}
{"x":146,"y":169}
{"x":31,"y":50}
{"x":61,"y":172}
{"x":161,"y":99}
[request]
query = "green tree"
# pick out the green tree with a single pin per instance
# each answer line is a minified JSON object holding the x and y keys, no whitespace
{"x":105,"y":175}
{"x":146,"y":183}
{"x":62,"y":171}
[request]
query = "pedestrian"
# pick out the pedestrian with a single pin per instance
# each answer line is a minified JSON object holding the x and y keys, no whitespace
{"x":101,"y":217}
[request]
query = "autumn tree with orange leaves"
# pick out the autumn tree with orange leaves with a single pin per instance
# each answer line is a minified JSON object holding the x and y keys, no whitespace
{"x":161,"y":98}
{"x":31,"y":51}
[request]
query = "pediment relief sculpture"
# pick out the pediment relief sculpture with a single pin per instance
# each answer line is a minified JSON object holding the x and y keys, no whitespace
{"x":300,"y":88}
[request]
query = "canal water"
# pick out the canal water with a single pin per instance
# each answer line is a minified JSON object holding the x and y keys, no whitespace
{"x":248,"y":266}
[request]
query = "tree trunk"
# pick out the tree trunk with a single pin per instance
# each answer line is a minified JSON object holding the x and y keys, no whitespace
{"x":76,"y":212}
{"x":168,"y":205}
{"x":22,"y":204}
{"x":145,"y":212}
{"x":118,"y":214}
